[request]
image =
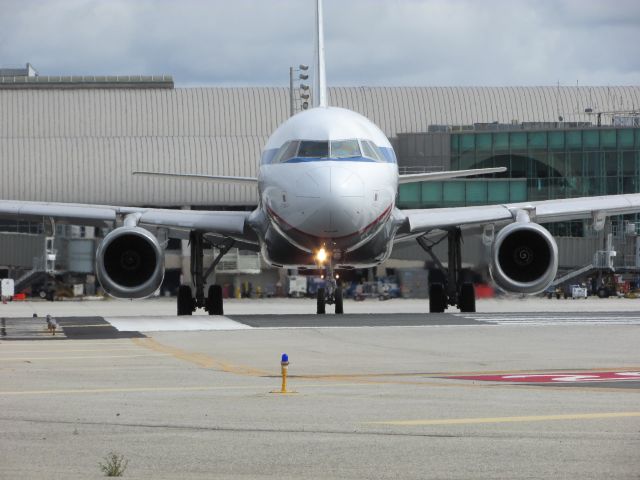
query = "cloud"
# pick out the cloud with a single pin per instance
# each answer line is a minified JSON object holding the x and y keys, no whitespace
{"x":369,"y":42}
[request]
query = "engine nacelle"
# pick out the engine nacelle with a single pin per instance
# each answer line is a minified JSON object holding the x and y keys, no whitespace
{"x":130,"y":263}
{"x":524,"y":258}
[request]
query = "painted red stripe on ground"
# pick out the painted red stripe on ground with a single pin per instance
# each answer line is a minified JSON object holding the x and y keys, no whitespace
{"x":554,"y":377}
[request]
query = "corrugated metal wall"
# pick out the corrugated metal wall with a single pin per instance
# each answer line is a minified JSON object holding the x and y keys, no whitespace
{"x":81,"y":145}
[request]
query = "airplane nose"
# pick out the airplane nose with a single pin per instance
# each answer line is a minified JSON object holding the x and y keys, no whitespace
{"x":329,"y":183}
{"x":332,"y":200}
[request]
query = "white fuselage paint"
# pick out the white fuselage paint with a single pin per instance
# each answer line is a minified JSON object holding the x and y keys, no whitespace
{"x":340,"y":204}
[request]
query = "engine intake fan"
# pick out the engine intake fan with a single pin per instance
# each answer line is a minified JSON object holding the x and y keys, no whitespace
{"x":130,"y":263}
{"x":524,"y":258}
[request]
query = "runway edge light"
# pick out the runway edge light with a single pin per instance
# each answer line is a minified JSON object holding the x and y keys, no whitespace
{"x":284,"y":367}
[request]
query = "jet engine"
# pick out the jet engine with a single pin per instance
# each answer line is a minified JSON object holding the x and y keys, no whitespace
{"x":130,"y":263}
{"x":524,"y":258}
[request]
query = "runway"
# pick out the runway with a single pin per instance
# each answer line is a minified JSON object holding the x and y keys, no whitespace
{"x":388,"y":395}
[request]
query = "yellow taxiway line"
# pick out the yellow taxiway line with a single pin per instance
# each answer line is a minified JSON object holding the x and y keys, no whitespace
{"x":532,"y":418}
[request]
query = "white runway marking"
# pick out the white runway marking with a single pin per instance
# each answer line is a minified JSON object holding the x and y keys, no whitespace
{"x":550,"y":319}
{"x":174,"y":324}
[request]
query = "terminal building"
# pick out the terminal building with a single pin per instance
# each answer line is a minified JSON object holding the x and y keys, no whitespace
{"x":77,"y":139}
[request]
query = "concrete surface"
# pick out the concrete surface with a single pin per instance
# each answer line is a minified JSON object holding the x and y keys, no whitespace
{"x":371,"y":402}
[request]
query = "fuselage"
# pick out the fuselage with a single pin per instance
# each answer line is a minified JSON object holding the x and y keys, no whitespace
{"x":328,"y":179}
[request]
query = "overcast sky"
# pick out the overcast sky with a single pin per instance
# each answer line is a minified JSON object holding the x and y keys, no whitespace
{"x":368,"y":42}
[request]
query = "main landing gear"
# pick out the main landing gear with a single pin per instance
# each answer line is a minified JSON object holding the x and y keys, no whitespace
{"x":212,"y":303}
{"x":452,"y":285}
{"x":331,"y":293}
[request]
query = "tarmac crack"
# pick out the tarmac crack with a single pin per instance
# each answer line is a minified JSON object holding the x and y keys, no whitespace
{"x":214,"y":428}
{"x":318,"y":431}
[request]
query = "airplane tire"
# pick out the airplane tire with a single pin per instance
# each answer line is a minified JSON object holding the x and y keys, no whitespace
{"x":339,"y":302}
{"x":185,"y":300}
{"x":467,"y":298}
{"x":214,"y":303}
{"x":321,"y":305}
{"x":437,"y":300}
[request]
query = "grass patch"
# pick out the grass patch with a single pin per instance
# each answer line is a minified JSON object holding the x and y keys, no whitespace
{"x":114,"y":465}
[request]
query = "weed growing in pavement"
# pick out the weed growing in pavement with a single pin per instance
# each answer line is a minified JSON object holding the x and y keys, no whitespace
{"x":114,"y":465}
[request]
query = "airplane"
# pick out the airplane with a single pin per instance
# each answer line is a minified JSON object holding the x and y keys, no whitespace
{"x":328,"y":182}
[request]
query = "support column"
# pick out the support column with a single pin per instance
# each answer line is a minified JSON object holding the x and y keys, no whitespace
{"x":185,"y":260}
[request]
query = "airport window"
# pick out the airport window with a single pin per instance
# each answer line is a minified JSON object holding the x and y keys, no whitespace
{"x":612,"y":186}
{"x":575,"y":164}
{"x":409,"y":194}
{"x":591,"y":139}
{"x":556,"y":140}
{"x":611,"y":163}
{"x":574,"y":139}
{"x":498,"y":192}
{"x":457,"y":193}
{"x":483,"y":142}
{"x":594,"y":165}
{"x":370,"y":150}
{"x":455,"y":143}
{"x":541,"y":164}
{"x":628,"y":163}
{"x":537,"y":140}
{"x":467,"y":160}
{"x":629,"y":184}
{"x":501,"y":141}
{"x":608,"y":138}
{"x":467,"y":142}
{"x":518,"y":141}
{"x":345,"y":149}
{"x":310,"y":149}
{"x":625,"y":138}
{"x":538,"y":189}
{"x":476,"y":193}
{"x":432,"y":193}
{"x":453,"y":193}
{"x":557,"y":167}
{"x":517,"y":191}
{"x":518,"y":166}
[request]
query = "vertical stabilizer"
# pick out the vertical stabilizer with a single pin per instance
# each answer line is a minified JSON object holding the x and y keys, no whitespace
{"x":319,"y":76}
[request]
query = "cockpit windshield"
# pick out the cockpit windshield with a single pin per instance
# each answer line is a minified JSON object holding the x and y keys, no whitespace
{"x":303,"y":150}
{"x":370,"y":150}
{"x":345,"y":149}
{"x":310,"y":149}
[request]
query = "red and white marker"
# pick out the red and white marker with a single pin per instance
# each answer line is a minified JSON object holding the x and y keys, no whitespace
{"x":554,"y":377}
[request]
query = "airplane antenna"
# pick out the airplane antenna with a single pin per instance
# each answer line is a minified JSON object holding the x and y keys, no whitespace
{"x":320,"y":77}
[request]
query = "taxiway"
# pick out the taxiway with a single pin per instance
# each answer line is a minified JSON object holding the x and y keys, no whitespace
{"x":389,"y":392}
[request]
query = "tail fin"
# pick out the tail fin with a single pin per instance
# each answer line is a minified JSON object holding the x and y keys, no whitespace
{"x":319,"y":76}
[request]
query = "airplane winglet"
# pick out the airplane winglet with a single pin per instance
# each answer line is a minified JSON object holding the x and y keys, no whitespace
{"x":319,"y":76}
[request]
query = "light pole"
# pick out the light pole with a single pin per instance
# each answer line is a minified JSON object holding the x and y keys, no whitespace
{"x":305,"y":96}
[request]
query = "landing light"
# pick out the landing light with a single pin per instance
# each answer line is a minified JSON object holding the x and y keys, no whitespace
{"x":321,"y":255}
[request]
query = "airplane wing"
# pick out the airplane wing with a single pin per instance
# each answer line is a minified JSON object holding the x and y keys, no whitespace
{"x":200,"y":177}
{"x":422,"y":177}
{"x":416,"y":222}
{"x":230,"y":223}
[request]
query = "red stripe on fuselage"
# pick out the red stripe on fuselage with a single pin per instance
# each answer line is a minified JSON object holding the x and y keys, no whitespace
{"x":283,"y":222}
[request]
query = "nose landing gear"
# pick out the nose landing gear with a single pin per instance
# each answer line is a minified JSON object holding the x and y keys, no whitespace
{"x":331,"y":293}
